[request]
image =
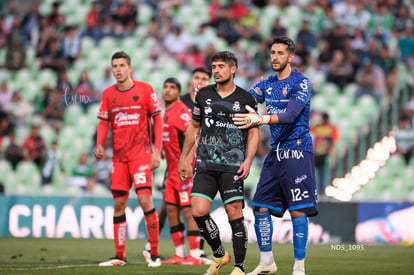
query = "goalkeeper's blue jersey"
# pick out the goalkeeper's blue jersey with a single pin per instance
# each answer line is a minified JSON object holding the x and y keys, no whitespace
{"x":276,"y":94}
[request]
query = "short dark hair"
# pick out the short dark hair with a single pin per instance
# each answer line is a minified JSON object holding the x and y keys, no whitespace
{"x":287,"y":41}
{"x":226,"y":57}
{"x":202,"y":70}
{"x":174,"y":81}
{"x":122,"y":54}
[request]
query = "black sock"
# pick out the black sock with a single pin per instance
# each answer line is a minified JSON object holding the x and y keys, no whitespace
{"x":210,"y":232}
{"x":239,"y":237}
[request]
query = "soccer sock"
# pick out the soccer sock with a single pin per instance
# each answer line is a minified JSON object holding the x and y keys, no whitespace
{"x":120,"y":226}
{"x":300,"y":236}
{"x":263,"y":227}
{"x":151,"y":220}
{"x":239,"y":237}
{"x":194,"y":243}
{"x":211,"y":233}
{"x":177,"y":236}
{"x":202,"y":241}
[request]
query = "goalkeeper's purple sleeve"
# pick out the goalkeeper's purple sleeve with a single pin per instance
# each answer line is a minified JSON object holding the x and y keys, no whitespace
{"x":292,"y":111}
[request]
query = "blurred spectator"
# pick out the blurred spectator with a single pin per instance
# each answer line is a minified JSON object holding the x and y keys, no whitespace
{"x":54,"y":110}
{"x":71,"y":44}
{"x":306,"y":36}
{"x":389,"y":64}
{"x":102,"y":169}
{"x":6,"y":126}
{"x":19,"y":110}
{"x":406,"y":45}
{"x":92,"y":27}
{"x":82,"y":174}
{"x":261,"y":57}
{"x":278,"y":29}
{"x":371,"y":81}
{"x":53,"y":57}
{"x":408,"y":110}
{"x":106,"y":81}
{"x":203,"y":38}
{"x":53,"y":161}
{"x":302,"y":55}
{"x":63,"y":84}
{"x":337,"y":37}
{"x":381,"y":22}
{"x":177,"y":40}
{"x":31,"y":25}
{"x":47,"y":33}
{"x":340,"y":70}
{"x":15,"y":52}
{"x":324,"y":134}
{"x":34,"y":147}
{"x":325,"y":56}
{"x":358,"y":19}
{"x":54,"y":14}
{"x":403,"y":19}
{"x":192,"y":58}
{"x":125,"y":19}
{"x":13,"y":152}
{"x":84,"y":91}
{"x":359,"y":44}
{"x":43,"y":100}
{"x":218,"y":13}
{"x":5,"y":95}
{"x":404,"y":138}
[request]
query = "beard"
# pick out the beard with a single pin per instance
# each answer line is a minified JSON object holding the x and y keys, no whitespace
{"x":224,"y":81}
{"x":282,"y":67}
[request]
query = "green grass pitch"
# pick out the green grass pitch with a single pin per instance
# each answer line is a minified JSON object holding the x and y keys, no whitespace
{"x":81,"y":256}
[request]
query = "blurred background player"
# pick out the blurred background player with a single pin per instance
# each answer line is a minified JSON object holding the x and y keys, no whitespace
{"x":287,"y":179}
{"x":224,"y":157}
{"x":200,"y":77}
{"x":177,"y":117}
{"x":128,"y":106}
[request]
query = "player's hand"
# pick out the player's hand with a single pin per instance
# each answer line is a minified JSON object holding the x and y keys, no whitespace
{"x":155,"y":159}
{"x":247,"y":120}
{"x":185,"y":170}
{"x":99,"y":152}
{"x":244,"y":171}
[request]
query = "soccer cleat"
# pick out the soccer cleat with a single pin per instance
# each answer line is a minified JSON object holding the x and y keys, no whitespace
{"x":217,"y":263}
{"x":115,"y":261}
{"x":237,"y":271}
{"x":205,"y":259}
{"x":155,"y":261}
{"x":264,"y":270}
{"x":190,"y":260}
{"x":299,"y":268}
{"x":147,"y":255}
{"x":174,"y":260}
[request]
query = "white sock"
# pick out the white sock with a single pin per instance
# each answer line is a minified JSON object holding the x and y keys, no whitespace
{"x":147,"y":246}
{"x":266,"y":258}
{"x":180,"y":251}
{"x":299,"y":264}
{"x":195,"y":253}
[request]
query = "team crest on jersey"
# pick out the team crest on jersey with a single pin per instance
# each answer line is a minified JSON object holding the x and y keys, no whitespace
{"x":285,"y":91}
{"x":103,"y":114}
{"x":197,"y":111}
{"x":236,"y":106}
{"x":258,"y":91}
{"x":135,"y":98}
{"x":299,"y":142}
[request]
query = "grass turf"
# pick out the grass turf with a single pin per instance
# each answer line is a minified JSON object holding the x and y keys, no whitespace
{"x":81,"y":256}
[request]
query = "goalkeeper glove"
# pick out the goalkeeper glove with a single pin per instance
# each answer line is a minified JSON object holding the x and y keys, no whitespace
{"x":250,"y":119}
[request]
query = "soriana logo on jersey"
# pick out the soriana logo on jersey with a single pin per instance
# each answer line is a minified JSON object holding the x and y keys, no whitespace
{"x":122,"y":119}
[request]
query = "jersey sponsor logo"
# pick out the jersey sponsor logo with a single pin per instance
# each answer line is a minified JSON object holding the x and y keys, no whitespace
{"x":197,"y":111}
{"x":221,"y":114}
{"x":122,"y":119}
{"x":285,"y":91}
{"x":209,"y":122}
{"x":208,"y":101}
{"x":225,"y":125}
{"x":166,"y":136}
{"x":300,"y":179}
{"x":185,"y":117}
{"x":269,"y":90}
{"x":258,"y":91}
{"x":274,"y":111}
{"x":207,"y":110}
{"x":288,"y":154}
{"x":143,"y":168}
{"x":103,"y":114}
{"x":236,"y":106}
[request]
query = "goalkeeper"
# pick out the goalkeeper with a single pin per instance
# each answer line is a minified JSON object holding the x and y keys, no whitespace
{"x":287,"y":180}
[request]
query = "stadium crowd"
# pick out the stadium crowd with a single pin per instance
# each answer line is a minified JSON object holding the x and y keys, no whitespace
{"x":358,"y":44}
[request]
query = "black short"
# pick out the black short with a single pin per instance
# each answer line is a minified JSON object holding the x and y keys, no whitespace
{"x":206,"y":183}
